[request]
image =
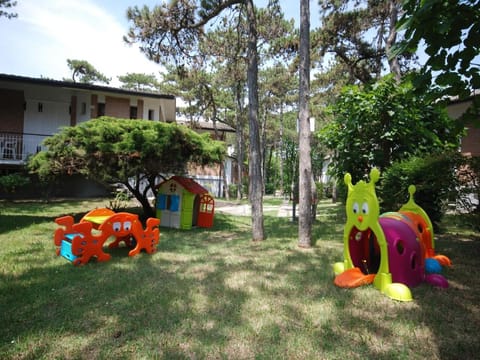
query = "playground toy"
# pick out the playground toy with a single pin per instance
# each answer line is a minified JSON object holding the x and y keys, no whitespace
{"x":84,"y":240}
{"x":183,"y":203}
{"x":394,"y":251}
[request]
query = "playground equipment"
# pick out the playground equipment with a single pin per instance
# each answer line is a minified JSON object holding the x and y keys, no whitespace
{"x":183,"y":203}
{"x":80,"y":242}
{"x":394,"y":251}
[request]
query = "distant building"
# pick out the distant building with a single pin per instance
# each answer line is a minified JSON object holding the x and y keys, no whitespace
{"x":470,"y":144}
{"x":32,"y":109}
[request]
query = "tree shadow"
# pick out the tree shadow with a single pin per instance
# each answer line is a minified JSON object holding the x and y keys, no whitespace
{"x":214,"y":293}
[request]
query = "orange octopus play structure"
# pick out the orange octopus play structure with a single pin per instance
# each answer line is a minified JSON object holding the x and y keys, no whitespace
{"x":84,"y":240}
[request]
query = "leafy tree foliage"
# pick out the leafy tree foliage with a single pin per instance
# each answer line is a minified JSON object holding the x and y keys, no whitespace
{"x":434,"y":177}
{"x":84,"y":72}
{"x":132,"y":152}
{"x":359,"y":34}
{"x":7,"y":4}
{"x":451,"y":33}
{"x":172,"y":33}
{"x":139,"y":82}
{"x":353,"y":46}
{"x":383,"y":123}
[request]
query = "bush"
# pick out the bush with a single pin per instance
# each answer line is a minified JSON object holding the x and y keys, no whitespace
{"x":321,"y":189}
{"x":270,"y":188}
{"x":434,"y":177}
{"x":232,"y":191}
{"x":121,"y":198}
{"x":12,"y":182}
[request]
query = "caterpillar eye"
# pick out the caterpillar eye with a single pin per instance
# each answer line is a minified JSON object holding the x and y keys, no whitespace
{"x":356,"y":208}
{"x":365,"y":208}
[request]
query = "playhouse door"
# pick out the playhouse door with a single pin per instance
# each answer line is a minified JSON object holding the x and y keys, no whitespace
{"x":207,"y":210}
{"x":187,"y":211}
{"x":175,"y":211}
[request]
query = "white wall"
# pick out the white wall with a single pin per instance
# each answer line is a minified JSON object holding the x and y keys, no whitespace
{"x":55,"y":104}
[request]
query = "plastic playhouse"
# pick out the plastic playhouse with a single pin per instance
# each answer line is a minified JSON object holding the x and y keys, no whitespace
{"x":394,"y":251}
{"x":80,"y":242}
{"x":183,"y":203}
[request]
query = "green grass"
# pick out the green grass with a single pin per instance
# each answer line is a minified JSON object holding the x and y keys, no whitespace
{"x":213,"y":294}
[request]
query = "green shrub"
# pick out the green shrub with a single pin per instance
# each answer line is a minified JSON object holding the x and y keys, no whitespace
{"x":12,"y":182}
{"x":434,"y":177}
{"x":120,"y":201}
{"x":270,"y":188}
{"x":232,"y":191}
{"x":320,"y":190}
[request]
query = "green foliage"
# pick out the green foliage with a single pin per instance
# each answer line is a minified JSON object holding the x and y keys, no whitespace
{"x":383,"y":123}
{"x":111,"y":150}
{"x":139,"y":82}
{"x":120,"y":201}
{"x":86,"y":72}
{"x":12,"y":182}
{"x":232,"y":191}
{"x":434,"y":177}
{"x":7,"y":4}
{"x":290,"y":172}
{"x":450,"y":31}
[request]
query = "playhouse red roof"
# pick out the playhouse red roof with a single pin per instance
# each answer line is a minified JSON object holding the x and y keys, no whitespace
{"x":189,"y":184}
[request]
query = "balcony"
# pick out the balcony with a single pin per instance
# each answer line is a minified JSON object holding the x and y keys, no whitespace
{"x":15,"y":147}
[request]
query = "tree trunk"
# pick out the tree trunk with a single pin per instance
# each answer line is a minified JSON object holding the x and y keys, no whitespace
{"x":255,"y":161}
{"x":148,"y":210}
{"x":224,"y":180}
{"x":392,"y":38}
{"x":240,"y":142}
{"x":282,"y":191}
{"x":263,"y":154}
{"x":305,"y":162}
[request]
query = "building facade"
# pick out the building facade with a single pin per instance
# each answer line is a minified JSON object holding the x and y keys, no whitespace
{"x":470,"y":145}
{"x":32,"y":109}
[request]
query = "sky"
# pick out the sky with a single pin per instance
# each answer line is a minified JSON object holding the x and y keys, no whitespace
{"x":48,"y":32}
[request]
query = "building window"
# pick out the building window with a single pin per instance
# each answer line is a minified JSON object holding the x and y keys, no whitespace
{"x":151,"y":114}
{"x":83,"y":109}
{"x":101,"y":109}
{"x":133,"y":112}
{"x":40,"y":107}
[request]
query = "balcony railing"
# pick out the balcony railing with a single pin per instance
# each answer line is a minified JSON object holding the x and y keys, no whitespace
{"x":15,"y":147}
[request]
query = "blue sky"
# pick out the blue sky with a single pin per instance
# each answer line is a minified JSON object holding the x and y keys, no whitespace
{"x":48,"y":32}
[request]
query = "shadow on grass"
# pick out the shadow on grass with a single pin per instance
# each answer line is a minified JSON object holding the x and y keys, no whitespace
{"x":214,"y":293}
{"x":453,"y":314}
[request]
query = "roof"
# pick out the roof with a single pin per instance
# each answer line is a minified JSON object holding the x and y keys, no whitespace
{"x":81,"y":86}
{"x":188,"y":184}
{"x":206,"y":125}
{"x":457,"y":99}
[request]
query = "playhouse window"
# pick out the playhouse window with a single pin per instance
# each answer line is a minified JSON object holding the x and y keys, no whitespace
{"x":168,"y":202}
{"x":174,"y":202}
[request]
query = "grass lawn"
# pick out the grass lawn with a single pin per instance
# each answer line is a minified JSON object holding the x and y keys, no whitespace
{"x":213,"y":294}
